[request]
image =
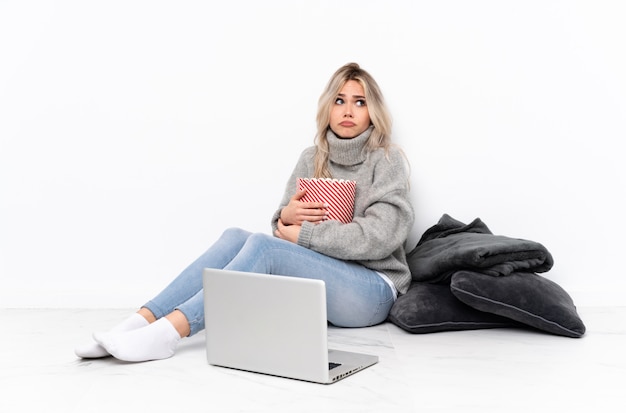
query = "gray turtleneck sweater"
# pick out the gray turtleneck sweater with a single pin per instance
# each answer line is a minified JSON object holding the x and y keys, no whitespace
{"x":383,"y":214}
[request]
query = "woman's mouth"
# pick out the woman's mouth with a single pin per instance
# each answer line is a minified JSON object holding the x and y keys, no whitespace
{"x":347,"y":124}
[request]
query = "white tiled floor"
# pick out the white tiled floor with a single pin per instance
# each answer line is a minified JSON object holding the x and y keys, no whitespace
{"x":503,"y":370}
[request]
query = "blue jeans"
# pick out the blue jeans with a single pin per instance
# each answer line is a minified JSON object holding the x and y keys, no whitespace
{"x":355,"y":296}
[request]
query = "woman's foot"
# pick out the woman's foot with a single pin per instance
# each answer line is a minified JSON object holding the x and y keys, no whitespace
{"x":156,"y":341}
{"x":93,"y":350}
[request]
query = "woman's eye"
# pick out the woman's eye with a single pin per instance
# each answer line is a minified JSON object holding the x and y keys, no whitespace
{"x":360,"y":102}
{"x":339,"y":101}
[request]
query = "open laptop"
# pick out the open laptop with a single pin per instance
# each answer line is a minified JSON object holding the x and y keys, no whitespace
{"x":273,"y":325}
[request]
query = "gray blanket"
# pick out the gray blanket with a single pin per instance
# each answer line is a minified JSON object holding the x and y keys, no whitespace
{"x":451,"y":245}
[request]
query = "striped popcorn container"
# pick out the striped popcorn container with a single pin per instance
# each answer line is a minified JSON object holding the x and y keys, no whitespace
{"x":336,"y":193}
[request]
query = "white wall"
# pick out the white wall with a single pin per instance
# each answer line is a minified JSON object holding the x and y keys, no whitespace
{"x":133,"y":132}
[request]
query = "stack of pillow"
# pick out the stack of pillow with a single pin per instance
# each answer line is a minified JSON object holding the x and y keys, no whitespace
{"x":465,"y":277}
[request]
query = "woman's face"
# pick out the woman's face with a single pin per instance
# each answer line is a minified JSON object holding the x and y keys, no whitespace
{"x":349,"y":116}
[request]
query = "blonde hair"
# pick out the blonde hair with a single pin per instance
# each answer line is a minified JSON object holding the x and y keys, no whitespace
{"x":378,"y":112}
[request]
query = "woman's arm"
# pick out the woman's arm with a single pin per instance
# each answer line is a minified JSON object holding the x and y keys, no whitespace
{"x":296,"y":211}
{"x":291,"y":210}
{"x":380,"y":227}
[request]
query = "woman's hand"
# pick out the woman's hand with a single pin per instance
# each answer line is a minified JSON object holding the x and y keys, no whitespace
{"x":287,"y":232}
{"x":296,"y":212}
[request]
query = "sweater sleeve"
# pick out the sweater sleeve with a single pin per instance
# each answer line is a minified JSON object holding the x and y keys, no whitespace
{"x":381,"y":223}
{"x":303,"y":168}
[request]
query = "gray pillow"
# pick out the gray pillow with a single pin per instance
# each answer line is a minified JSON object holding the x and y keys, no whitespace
{"x":524,"y":297}
{"x":450,"y":246}
{"x":430,"y":308}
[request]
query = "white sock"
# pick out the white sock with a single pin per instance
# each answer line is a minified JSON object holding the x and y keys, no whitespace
{"x":91,"y":349}
{"x":154,"y":342}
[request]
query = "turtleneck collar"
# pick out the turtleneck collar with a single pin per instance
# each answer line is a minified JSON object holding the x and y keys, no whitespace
{"x":348,"y":152}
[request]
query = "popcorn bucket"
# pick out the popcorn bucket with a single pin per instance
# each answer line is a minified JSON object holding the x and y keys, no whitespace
{"x":338,"y":194}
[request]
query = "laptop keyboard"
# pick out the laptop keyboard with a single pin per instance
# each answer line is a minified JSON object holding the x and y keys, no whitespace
{"x":333,"y":365}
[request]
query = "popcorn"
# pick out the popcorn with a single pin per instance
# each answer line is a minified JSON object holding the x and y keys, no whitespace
{"x":338,"y":194}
